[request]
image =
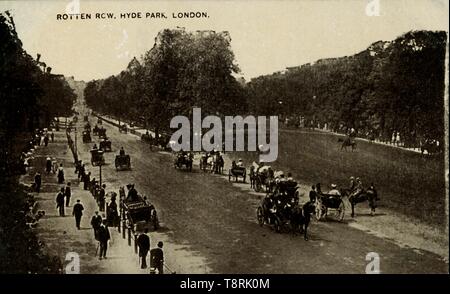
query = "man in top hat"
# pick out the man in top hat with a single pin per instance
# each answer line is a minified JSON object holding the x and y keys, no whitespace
{"x":143,"y":242}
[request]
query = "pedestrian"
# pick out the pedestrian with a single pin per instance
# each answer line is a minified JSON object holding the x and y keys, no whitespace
{"x":78,"y":212}
{"x":82,"y":171}
{"x":96,"y":221}
{"x":38,"y":181}
{"x":68,"y":194}
{"x":60,"y":174}
{"x":157,"y":258}
{"x":52,"y":136}
{"x":46,"y":140}
{"x":101,"y":198}
{"x":143,"y":242}
{"x":60,"y":202}
{"x":54,"y":165}
{"x":48,"y":165}
{"x":113,"y":214}
{"x":86,"y":181}
{"x":103,"y":238}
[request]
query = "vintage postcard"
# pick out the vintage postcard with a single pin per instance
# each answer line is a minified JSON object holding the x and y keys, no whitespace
{"x":224,"y":137}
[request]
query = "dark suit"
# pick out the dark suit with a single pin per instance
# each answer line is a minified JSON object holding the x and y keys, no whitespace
{"x":77,"y":212}
{"x":60,"y":203}
{"x":143,"y":242}
{"x":103,"y":237}
{"x":67,"y":193}
{"x":157,"y":259}
{"x":96,"y":222}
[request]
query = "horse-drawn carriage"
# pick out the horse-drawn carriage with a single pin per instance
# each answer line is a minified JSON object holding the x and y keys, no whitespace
{"x":95,"y":130}
{"x":97,"y":157}
{"x":105,"y":145}
{"x":147,"y":138}
{"x":212,"y":162}
{"x":326,"y":202}
{"x":87,"y":137}
{"x":122,"y":162}
{"x":237,"y":171}
{"x":261,"y":176}
{"x":123,"y":128}
{"x":184,"y":158}
{"x":101,"y":132}
{"x":87,"y":127}
{"x":137,"y":212}
{"x":280,"y":214}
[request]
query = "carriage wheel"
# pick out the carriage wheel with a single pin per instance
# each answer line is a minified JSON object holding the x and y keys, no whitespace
{"x":340,"y":212}
{"x":277,"y":224}
{"x":319,"y":211}
{"x":260,"y":216}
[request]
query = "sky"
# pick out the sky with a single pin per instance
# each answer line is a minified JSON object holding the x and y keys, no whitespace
{"x":267,"y":36}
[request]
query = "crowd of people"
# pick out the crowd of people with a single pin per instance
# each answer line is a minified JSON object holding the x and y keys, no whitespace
{"x":99,"y":222}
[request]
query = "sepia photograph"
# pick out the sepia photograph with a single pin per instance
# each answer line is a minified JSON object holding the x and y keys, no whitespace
{"x":224,"y":137}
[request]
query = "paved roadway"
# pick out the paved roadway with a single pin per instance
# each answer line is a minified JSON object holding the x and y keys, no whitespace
{"x":211,"y":224}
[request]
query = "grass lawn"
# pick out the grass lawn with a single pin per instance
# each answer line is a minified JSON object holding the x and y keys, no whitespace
{"x":407,"y":182}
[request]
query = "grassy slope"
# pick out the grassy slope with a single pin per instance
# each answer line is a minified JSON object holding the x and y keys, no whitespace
{"x":407,"y":182}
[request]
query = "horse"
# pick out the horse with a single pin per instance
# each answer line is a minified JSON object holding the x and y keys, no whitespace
{"x":347,"y":142}
{"x":300,"y":218}
{"x":369,"y":195}
{"x":218,"y":163}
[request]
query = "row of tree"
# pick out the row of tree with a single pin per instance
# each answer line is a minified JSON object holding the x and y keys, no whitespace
{"x":30,"y":97}
{"x":183,"y":70}
{"x":391,"y":87}
{"x":395,"y":86}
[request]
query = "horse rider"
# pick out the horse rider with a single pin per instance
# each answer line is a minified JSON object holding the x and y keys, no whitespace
{"x":122,"y":152}
{"x":358,"y":189}
{"x":352,"y":186}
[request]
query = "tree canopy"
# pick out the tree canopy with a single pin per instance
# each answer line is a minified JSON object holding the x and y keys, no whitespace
{"x":390,"y":86}
{"x":183,"y":70}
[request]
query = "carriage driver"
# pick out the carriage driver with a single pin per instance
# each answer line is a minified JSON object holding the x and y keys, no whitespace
{"x":121,"y":152}
{"x":240,"y":163}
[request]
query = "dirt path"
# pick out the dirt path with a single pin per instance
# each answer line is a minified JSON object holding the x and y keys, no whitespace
{"x":207,"y":218}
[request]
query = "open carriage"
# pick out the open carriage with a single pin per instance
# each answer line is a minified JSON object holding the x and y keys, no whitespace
{"x":326,"y":202}
{"x":97,"y":157}
{"x":262,"y":177}
{"x":87,"y":137}
{"x":236,"y":172}
{"x":138,"y":213}
{"x":184,"y":159}
{"x":105,"y":145}
{"x":123,"y":162}
{"x":123,"y":128}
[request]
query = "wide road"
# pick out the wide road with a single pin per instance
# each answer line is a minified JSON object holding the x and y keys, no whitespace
{"x":214,"y":221}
